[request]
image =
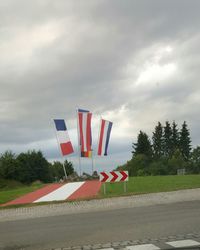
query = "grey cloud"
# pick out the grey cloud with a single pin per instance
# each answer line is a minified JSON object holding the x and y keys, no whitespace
{"x":85,"y":64}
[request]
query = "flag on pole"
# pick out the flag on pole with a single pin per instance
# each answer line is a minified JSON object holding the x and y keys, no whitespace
{"x":63,"y":137}
{"x":104,"y":137}
{"x":85,"y":134}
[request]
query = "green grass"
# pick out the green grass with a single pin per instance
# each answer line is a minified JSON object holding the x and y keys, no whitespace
{"x":152,"y":184}
{"x":9,"y":193}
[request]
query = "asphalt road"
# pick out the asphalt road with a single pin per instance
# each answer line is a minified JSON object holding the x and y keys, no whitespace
{"x":101,"y":227}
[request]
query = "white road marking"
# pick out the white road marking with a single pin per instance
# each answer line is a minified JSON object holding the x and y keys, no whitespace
{"x":143,"y":247}
{"x":107,"y":248}
{"x":61,"y":193}
{"x":183,"y":243}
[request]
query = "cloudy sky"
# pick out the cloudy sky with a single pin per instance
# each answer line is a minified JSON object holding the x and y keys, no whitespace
{"x":132,"y":62}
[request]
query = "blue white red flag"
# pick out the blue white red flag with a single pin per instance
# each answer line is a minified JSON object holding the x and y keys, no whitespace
{"x":85,"y":133}
{"x":104,"y":137}
{"x":63,"y":137}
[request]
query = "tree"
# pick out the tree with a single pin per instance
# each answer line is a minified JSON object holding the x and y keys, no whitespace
{"x":69,"y":167}
{"x":176,"y":162}
{"x":8,"y":166}
{"x":157,"y":140}
{"x":33,"y":166}
{"x":175,"y":137}
{"x":158,"y":167}
{"x":56,"y":170}
{"x":185,"y":142}
{"x":195,"y":161}
{"x":143,"y":145}
{"x":138,"y":165}
{"x":167,"y":140}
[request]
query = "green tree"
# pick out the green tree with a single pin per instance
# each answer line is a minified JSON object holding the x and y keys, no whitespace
{"x":175,"y":137}
{"x":33,"y":166}
{"x":158,"y":167}
{"x":167,"y":140}
{"x":157,"y":141}
{"x":8,"y":166}
{"x":195,"y":161}
{"x":143,"y":145}
{"x":185,"y":142}
{"x":56,"y":170}
{"x":69,"y":167}
{"x":176,"y":162}
{"x":138,"y":165}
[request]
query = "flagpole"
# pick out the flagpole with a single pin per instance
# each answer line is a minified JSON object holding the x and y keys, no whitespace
{"x":64,"y":168}
{"x":92,"y":163}
{"x":79,"y":146}
{"x":98,"y":137}
{"x":61,"y":153}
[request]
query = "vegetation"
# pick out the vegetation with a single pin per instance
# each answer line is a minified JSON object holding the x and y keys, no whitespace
{"x":168,"y":150}
{"x":31,"y":166}
{"x":152,"y":184}
{"x":11,"y":190}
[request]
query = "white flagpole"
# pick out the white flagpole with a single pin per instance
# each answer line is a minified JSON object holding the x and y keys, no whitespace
{"x":79,"y":146}
{"x":60,"y":152}
{"x":98,"y":136}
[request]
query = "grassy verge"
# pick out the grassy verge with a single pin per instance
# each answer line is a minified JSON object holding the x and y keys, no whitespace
{"x":8,"y":194}
{"x":152,"y":184}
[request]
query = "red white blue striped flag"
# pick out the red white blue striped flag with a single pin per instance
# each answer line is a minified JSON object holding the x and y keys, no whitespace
{"x":104,"y":137}
{"x":63,"y":137}
{"x":85,"y":133}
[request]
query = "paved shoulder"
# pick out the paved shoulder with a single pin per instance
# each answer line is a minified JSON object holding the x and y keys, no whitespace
{"x":100,"y":205}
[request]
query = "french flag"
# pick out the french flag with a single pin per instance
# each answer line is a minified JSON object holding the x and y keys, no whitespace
{"x":85,"y":133}
{"x":63,"y":137}
{"x":104,"y":137}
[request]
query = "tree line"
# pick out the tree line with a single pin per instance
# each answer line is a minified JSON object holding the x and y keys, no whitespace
{"x":32,"y":166}
{"x":168,"y":150}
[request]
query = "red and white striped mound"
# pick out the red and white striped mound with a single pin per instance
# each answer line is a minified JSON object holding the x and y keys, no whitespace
{"x":59,"y":192}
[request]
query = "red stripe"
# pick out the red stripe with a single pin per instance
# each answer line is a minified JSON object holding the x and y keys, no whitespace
{"x":88,"y":189}
{"x":101,"y":137}
{"x":33,"y":196}
{"x":80,"y":115}
{"x":66,"y":148}
{"x":88,"y":133}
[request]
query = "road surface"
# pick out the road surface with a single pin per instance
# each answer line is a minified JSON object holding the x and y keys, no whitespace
{"x":101,"y":227}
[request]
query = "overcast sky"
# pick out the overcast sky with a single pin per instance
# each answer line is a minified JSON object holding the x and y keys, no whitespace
{"x":132,"y":62}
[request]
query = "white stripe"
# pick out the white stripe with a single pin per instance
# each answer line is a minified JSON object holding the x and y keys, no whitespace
{"x":84,"y":126}
{"x":183,"y":243}
{"x":107,"y":248}
{"x":61,"y":193}
{"x":104,"y":138}
{"x":63,"y":136}
{"x":143,"y":247}
{"x":119,"y":177}
{"x":110,"y":177}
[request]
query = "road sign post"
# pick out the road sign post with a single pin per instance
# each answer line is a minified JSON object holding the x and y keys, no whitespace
{"x":104,"y":188}
{"x":114,"y":176}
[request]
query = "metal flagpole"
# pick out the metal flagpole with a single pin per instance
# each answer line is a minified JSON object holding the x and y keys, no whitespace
{"x":64,"y":168}
{"x":60,"y":152}
{"x":92,"y":150}
{"x":92,"y":162}
{"x":79,"y":146}
{"x":98,"y":138}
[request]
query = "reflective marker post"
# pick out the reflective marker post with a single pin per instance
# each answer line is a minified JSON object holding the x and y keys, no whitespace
{"x":104,"y":188}
{"x":125,"y":187}
{"x":114,"y":176}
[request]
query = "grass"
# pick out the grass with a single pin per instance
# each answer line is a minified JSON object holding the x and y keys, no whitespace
{"x":15,"y":190}
{"x":152,"y":184}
